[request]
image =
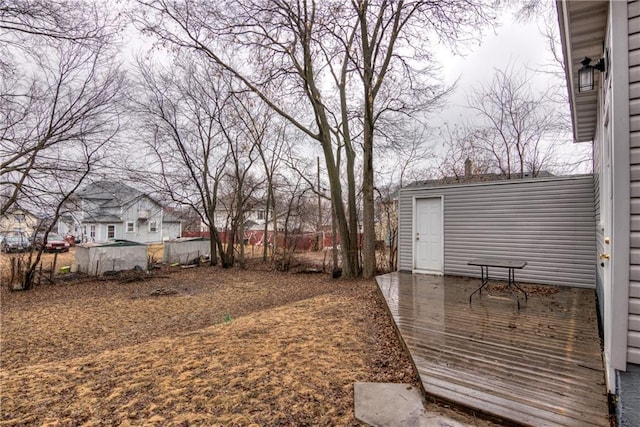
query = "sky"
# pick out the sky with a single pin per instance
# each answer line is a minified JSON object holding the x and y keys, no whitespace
{"x":512,"y":43}
{"x":518,"y":43}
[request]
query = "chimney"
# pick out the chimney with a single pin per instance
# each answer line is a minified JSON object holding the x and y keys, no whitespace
{"x":468,"y":168}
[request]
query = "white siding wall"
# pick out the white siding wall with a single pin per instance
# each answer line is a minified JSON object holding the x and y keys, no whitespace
{"x":597,"y":160}
{"x":171,"y":230}
{"x":633,"y":342}
{"x":550,"y":223}
{"x":141,"y":232}
{"x":95,"y":259}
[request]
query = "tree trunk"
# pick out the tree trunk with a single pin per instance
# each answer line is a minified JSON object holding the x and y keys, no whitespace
{"x":213,"y":256}
{"x":368,"y":221}
{"x":265,"y":231}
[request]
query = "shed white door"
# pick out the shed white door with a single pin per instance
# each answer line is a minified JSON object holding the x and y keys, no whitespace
{"x":428,"y":237}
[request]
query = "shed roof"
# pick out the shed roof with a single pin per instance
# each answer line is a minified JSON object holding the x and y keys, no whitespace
{"x":111,"y":243}
{"x":188,"y":239}
{"x":473,"y":179}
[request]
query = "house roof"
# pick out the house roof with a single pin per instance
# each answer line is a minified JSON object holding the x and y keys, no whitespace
{"x":105,"y":218}
{"x":112,"y":193}
{"x":168,"y":217}
{"x":18,"y":210}
{"x":582,"y":32}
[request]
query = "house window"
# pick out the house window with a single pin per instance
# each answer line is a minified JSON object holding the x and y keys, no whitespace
{"x":93,"y":232}
{"x":131,"y":226}
{"x":111,"y":231}
{"x":153,"y":226}
{"x":260,"y":215}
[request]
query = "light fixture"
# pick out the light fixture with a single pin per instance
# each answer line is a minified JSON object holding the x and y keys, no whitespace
{"x":585,"y":74}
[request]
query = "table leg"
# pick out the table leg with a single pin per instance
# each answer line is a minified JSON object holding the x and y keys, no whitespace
{"x":484,"y":274}
{"x":513,"y":287}
{"x":512,"y":282}
{"x":510,"y":287}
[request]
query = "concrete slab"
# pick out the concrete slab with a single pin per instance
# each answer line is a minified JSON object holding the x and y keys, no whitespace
{"x":391,"y":405}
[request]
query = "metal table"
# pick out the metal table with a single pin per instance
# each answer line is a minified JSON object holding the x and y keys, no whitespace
{"x":511,"y":265}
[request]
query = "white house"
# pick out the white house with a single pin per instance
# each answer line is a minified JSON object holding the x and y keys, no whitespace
{"x":112,"y":210}
{"x":601,"y":44}
{"x":19,"y":221}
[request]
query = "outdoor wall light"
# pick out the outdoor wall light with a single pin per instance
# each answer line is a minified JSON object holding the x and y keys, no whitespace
{"x":585,"y":74}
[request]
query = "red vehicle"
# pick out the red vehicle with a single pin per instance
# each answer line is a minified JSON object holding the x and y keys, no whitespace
{"x":52,"y":243}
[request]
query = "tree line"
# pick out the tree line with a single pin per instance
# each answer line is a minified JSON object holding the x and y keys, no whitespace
{"x":232,"y":102}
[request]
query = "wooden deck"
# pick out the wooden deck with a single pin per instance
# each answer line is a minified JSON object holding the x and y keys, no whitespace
{"x":539,"y":366}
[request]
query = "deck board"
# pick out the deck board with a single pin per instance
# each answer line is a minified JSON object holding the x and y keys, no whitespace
{"x":539,"y":366}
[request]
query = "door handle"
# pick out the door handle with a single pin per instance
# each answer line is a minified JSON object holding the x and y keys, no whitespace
{"x":417,"y":236}
{"x":605,"y":256}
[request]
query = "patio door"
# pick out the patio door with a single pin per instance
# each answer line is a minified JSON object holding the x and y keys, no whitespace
{"x":428,"y":242}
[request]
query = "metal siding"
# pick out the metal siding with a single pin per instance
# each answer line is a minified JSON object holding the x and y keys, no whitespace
{"x":634,"y":106}
{"x":634,"y":38}
{"x":633,"y":9}
{"x":634,"y":322}
{"x":634,"y":189}
{"x":634,"y":90}
{"x":634,"y":290}
{"x":634,"y":74}
{"x":634,"y":158}
{"x":598,"y":229}
{"x":633,"y":341}
{"x":405,"y":228}
{"x":547,"y":222}
{"x":634,"y":173}
{"x":634,"y":269}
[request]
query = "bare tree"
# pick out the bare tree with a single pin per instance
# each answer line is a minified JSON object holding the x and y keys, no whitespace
{"x":269,"y":137}
{"x":180,"y":111}
{"x":408,"y":159}
{"x":580,"y":157}
{"x":71,"y":99}
{"x":386,"y":29}
{"x":58,"y":83}
{"x":462,"y":153}
{"x":517,"y":126}
{"x":295,"y":200}
{"x":311,"y":52}
{"x":243,"y":133}
{"x":70,"y":20}
{"x":59,"y":110}
{"x":60,"y":88}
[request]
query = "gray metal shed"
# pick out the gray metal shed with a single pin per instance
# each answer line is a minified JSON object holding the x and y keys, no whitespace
{"x":185,"y":249}
{"x":548,"y":222}
{"x":118,"y":255}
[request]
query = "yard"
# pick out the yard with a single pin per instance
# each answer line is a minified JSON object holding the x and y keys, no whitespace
{"x":200,"y":346}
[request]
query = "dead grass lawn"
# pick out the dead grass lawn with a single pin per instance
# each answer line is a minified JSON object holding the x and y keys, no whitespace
{"x":225,"y":347}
